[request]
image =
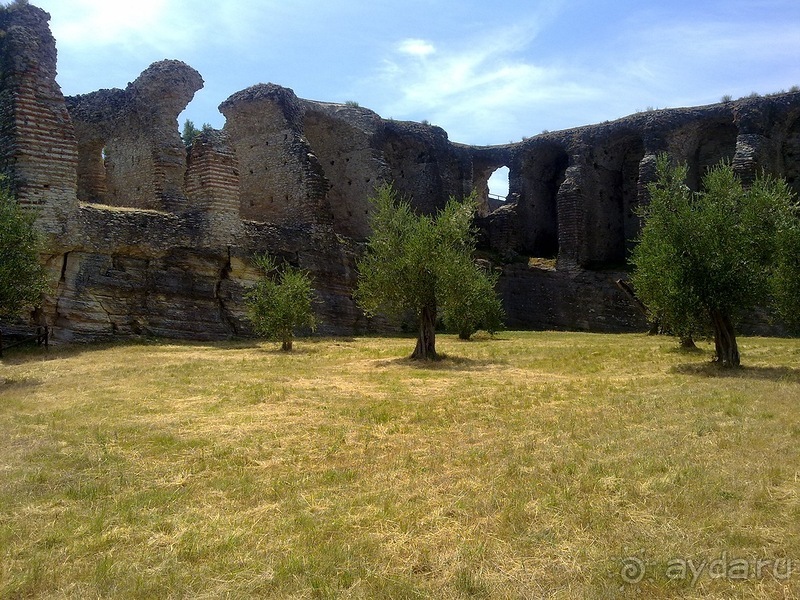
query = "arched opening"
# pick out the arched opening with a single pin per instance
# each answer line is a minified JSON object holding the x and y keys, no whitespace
{"x":92,"y":176}
{"x":498,"y":188}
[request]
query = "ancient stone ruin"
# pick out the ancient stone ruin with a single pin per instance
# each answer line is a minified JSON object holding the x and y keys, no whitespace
{"x":147,"y":237}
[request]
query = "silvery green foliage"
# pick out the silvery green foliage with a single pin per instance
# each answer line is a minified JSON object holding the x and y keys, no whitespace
{"x":703,"y":257}
{"x":424,"y":264}
{"x":281,"y":302}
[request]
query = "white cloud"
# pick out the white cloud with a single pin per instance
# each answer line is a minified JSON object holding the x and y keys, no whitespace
{"x":678,"y":63}
{"x":416,"y":47}
{"x":92,"y":23}
{"x":163,"y":28}
{"x":502,"y":84}
{"x":476,"y":92}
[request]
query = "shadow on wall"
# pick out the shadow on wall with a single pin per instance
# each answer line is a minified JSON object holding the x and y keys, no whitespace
{"x":542,"y":172}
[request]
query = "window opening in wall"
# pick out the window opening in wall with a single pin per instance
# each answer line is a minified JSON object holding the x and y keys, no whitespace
{"x":92,"y":172}
{"x":498,"y":186}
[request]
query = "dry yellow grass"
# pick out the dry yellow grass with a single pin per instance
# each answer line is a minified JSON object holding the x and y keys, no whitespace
{"x":527,"y":466}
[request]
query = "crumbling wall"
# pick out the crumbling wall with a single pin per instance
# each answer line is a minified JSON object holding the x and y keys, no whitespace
{"x":703,"y":143}
{"x":150,"y":238}
{"x":130,"y":151}
{"x":611,"y":171}
{"x":537,"y":176}
{"x":790,"y":156}
{"x":424,"y":166}
{"x":146,"y":236}
{"x":346,"y":140}
{"x":38,"y":153}
{"x":212,"y":185}
{"x":281,"y":180}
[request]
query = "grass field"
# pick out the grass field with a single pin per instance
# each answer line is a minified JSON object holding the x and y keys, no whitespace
{"x":533,"y":465}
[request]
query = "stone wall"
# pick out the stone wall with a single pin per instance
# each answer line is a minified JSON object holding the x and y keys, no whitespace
{"x":347,"y":142}
{"x":38,"y":152}
{"x":147,"y":237}
{"x":130,"y":152}
{"x":281,"y":181}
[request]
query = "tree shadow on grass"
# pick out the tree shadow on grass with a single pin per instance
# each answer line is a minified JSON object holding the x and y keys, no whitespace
{"x":710,"y":369}
{"x":9,"y":384}
{"x":483,"y":336}
{"x":688,"y":350}
{"x":22,"y":355}
{"x":274,"y":349}
{"x":32,"y":354}
{"x":444,"y":362}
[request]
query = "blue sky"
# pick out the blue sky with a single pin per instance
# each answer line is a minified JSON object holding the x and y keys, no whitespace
{"x":487,"y":72}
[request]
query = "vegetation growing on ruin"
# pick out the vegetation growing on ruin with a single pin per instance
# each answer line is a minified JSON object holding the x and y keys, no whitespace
{"x":13,"y":5}
{"x":190,"y":132}
{"x":529,"y":465}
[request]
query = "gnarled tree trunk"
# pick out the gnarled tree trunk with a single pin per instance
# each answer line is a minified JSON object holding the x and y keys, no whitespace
{"x":286,"y":345}
{"x":426,"y":338}
{"x":725,"y":340}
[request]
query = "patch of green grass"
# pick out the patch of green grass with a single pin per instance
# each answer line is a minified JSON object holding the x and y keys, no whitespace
{"x":525,"y":465}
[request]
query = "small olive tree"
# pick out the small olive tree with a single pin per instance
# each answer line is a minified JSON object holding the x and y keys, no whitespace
{"x":786,"y":269}
{"x":280,"y":303}
{"x":22,"y":277}
{"x":471,"y":303}
{"x":424,"y":264}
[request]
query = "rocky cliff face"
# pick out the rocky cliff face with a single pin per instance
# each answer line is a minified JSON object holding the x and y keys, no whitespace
{"x":147,"y":237}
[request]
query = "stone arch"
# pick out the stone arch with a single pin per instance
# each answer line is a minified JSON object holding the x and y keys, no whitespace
{"x":482,"y":170}
{"x":498,"y":190}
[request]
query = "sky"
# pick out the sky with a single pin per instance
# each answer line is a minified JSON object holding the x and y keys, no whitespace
{"x":488,"y":72}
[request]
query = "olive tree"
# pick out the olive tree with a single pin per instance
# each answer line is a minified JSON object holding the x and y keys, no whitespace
{"x":424,"y":264}
{"x":471,"y":303}
{"x":703,"y":257}
{"x":22,"y":277}
{"x":280,"y":302}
